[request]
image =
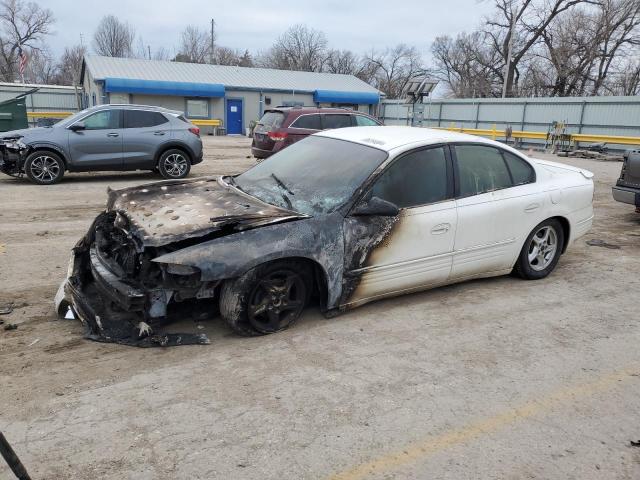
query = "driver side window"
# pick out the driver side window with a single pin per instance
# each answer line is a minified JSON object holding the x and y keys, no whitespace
{"x":415,"y":179}
{"x":106,"y":119}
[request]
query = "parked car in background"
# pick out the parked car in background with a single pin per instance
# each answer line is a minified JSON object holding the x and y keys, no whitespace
{"x":104,"y":138}
{"x":347,"y":216}
{"x":627,"y":189}
{"x":280,"y":127}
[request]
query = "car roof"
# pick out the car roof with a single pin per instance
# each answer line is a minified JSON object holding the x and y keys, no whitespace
{"x":134,"y":106}
{"x":391,"y":137}
{"x":302,"y":110}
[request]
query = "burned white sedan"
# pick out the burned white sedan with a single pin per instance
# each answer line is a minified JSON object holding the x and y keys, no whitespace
{"x":345,"y":216}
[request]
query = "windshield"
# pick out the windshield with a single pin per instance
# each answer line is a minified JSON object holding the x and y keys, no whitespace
{"x":312,"y":176}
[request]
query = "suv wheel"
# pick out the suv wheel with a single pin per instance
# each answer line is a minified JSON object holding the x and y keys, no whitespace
{"x":44,"y":168}
{"x":174,"y":164}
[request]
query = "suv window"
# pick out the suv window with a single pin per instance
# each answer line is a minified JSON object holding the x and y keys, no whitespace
{"x":521,"y":171}
{"x":311,"y":122}
{"x":142,"y":118}
{"x":363,"y":121}
{"x":417,"y":178}
{"x":270,"y":121}
{"x":481,"y":169}
{"x":331,"y":120}
{"x":103,"y":120}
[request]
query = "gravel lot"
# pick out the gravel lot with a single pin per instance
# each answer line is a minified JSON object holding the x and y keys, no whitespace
{"x":497,"y":378}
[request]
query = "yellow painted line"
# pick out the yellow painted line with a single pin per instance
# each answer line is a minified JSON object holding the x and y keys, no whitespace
{"x":420,"y":450}
{"x":49,"y":114}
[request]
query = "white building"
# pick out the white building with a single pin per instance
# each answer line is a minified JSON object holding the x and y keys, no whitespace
{"x":235,"y":95}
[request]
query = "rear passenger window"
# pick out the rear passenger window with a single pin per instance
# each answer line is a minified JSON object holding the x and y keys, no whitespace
{"x":520,"y":170}
{"x":142,"y":118}
{"x":481,"y":169}
{"x":363,"y":121}
{"x":417,"y":178}
{"x":336,"y":121}
{"x":311,"y":122}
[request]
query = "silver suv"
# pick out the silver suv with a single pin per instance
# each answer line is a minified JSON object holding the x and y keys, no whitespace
{"x":106,"y":137}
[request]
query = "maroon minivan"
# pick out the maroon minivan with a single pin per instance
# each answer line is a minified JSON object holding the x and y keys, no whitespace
{"x":280,"y":127}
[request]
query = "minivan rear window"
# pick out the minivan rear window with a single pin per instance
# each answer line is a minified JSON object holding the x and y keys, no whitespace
{"x":270,"y":121}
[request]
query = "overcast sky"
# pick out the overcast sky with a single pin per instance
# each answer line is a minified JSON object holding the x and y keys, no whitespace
{"x":358,"y":25}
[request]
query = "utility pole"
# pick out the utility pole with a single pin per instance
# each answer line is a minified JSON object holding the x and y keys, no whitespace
{"x":149,"y":49}
{"x":81,"y":40}
{"x":213,"y":24}
{"x":507,"y":66}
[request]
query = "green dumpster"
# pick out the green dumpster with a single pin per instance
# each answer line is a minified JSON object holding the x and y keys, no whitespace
{"x":13,"y":112}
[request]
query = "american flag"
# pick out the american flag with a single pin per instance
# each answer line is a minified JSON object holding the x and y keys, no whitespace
{"x":23,"y":60}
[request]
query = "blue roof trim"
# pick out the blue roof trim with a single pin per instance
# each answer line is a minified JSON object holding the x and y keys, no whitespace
{"x":335,"y":96}
{"x":157,"y":87}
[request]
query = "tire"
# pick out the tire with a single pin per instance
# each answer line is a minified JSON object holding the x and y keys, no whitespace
{"x":174,"y":164}
{"x":541,"y":251}
{"x":266,"y":299}
{"x":44,"y":167}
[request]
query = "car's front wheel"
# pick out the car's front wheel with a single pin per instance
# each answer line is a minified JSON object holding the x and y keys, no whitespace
{"x":174,"y":164}
{"x":541,"y":251}
{"x":44,"y":168}
{"x":266,"y":299}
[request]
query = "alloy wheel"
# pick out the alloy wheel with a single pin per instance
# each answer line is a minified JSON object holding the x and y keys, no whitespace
{"x":45,"y":168}
{"x":175,"y":165}
{"x":276,"y":301}
{"x":543,"y":247}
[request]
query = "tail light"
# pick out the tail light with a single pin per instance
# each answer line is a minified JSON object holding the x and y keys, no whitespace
{"x":195,"y":131}
{"x":277,"y":136}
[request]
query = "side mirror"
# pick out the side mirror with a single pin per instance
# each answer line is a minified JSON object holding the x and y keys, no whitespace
{"x":77,"y":126}
{"x":376,"y":206}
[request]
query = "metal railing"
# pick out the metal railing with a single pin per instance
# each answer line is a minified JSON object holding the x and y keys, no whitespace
{"x":575,"y":138}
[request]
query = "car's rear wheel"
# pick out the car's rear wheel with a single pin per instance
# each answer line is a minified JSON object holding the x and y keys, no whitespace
{"x":541,"y":251}
{"x":174,"y":164}
{"x":44,"y":168}
{"x":266,"y":299}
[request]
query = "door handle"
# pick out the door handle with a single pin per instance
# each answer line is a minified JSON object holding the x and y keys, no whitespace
{"x":440,"y":229}
{"x":532,"y":207}
{"x":158,"y":133}
{"x":113,"y":134}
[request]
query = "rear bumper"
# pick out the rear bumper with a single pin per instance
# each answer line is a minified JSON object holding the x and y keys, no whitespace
{"x":626,"y":195}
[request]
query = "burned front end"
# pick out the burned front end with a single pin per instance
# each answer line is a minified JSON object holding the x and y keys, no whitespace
{"x":12,"y":155}
{"x":117,"y":283}
{"x":120,"y":294}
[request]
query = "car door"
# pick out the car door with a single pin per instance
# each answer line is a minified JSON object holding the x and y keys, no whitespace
{"x":97,"y":146}
{"x":498,"y":204}
{"x":144,"y":131}
{"x":416,"y":252}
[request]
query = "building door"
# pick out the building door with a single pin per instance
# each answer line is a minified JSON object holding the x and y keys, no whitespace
{"x":234,"y":117}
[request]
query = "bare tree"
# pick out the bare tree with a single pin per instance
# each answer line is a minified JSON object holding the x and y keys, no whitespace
{"x":41,"y":68}
{"x":22,"y":25}
{"x":467,"y":65}
{"x":229,"y":56}
{"x":394,"y":67}
{"x":299,"y":48}
{"x":195,"y":45}
{"x":70,"y":65}
{"x":530,"y":18}
{"x":113,"y":38}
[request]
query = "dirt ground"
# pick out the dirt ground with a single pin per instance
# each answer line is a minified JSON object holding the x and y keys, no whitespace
{"x":492,"y":379}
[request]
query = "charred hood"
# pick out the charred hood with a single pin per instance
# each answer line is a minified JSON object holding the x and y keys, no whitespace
{"x":167,"y":212}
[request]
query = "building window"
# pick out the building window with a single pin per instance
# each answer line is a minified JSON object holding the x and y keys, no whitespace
{"x":197,"y":108}
{"x":267,"y":100}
